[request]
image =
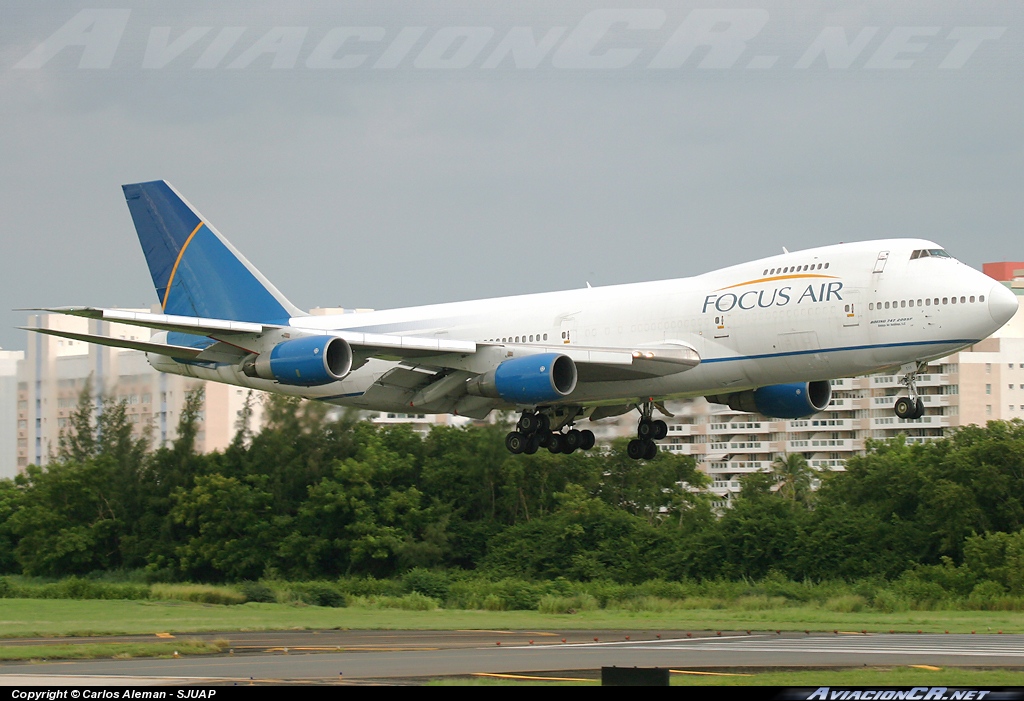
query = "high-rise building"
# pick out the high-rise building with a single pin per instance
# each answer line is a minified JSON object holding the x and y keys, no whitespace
{"x":11,"y":427}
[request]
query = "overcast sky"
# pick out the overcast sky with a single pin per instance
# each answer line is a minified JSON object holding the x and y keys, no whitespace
{"x":394,"y":154}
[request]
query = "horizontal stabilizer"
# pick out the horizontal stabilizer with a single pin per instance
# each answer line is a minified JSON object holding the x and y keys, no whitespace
{"x":159,"y":348}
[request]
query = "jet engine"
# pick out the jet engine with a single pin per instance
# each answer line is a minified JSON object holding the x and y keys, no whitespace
{"x":533,"y":379}
{"x":794,"y":400}
{"x":305,"y":362}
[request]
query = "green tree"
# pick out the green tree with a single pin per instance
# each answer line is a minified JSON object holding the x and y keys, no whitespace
{"x":794,"y":476}
{"x":651,"y":489}
{"x":10,"y":501}
{"x":230,"y":521}
{"x":368,"y":516}
{"x":584,"y":539}
{"x":80,"y":512}
{"x":998,"y":557}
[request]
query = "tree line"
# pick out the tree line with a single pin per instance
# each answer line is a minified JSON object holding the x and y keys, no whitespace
{"x":318,"y":495}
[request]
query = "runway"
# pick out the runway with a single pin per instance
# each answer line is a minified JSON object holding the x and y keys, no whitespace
{"x":333,"y":656}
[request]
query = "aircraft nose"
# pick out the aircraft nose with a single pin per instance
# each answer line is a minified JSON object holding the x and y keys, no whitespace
{"x":1002,"y":304}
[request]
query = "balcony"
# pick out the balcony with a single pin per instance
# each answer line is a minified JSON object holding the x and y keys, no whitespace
{"x":815,"y":425}
{"x":818,"y":445}
{"x":940,"y":399}
{"x":737,"y":466}
{"x":927,"y":421}
{"x":734,"y":427}
{"x":735,"y":446}
{"x":682,"y":448}
{"x":933,"y":380}
{"x":723,"y":487}
{"x":829,"y":464}
{"x":849,"y":403}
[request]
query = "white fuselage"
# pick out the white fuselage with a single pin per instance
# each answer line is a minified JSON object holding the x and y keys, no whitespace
{"x":829,"y":312}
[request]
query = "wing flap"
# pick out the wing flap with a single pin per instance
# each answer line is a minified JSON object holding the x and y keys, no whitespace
{"x":401,"y":346}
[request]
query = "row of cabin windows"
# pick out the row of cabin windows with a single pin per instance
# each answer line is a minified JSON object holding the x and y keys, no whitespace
{"x":521,"y":339}
{"x":903,"y":303}
{"x":795,"y":269}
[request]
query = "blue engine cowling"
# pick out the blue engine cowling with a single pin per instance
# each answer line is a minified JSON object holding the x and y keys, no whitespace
{"x":532,"y":379}
{"x":304,"y":362}
{"x":794,"y":400}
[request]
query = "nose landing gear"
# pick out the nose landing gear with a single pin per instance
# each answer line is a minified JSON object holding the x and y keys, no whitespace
{"x":910,"y":407}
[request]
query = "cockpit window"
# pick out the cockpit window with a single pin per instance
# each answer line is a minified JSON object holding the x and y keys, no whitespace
{"x":929,"y":253}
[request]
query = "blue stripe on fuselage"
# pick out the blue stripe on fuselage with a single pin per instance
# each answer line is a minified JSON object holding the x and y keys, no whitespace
{"x":763,"y":356}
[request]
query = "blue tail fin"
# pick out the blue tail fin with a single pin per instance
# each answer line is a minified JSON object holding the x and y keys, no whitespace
{"x":195,"y":270}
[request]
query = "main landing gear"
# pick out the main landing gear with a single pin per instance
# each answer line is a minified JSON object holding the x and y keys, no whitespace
{"x":910,"y":407}
{"x":533,"y":432}
{"x":647,"y":431}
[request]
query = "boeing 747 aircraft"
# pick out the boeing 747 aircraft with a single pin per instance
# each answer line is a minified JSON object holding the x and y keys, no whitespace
{"x":764,"y":336}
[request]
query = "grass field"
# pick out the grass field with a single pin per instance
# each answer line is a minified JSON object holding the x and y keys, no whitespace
{"x":121,"y":651}
{"x":57,"y":617}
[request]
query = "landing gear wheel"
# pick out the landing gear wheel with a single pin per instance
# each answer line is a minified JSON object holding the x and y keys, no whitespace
{"x":515,"y":442}
{"x":645,"y":429}
{"x":572,"y":440}
{"x":905,"y":408}
{"x":527,"y":423}
{"x":918,"y":408}
{"x":532,"y":423}
{"x":532,"y":444}
{"x":660,"y":429}
{"x":650,"y":450}
{"x":587,"y":440}
{"x":556,"y":444}
{"x":636,"y":449}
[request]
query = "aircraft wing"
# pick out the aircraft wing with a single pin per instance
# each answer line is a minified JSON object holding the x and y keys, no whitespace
{"x":236,"y":339}
{"x":238,"y":334}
